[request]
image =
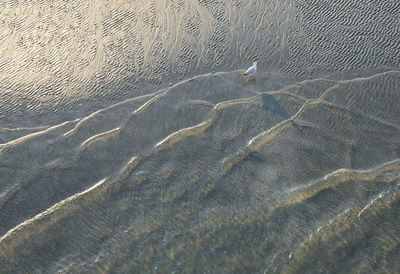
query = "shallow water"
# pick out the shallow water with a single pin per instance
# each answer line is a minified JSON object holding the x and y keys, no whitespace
{"x":132,"y":142}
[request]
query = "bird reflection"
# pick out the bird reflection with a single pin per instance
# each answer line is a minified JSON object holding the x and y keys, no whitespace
{"x":249,"y":81}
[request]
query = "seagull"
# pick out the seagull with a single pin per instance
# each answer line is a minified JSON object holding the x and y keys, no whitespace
{"x":251,"y":70}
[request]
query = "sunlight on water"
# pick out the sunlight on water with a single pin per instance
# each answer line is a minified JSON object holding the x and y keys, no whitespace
{"x":131,"y":142}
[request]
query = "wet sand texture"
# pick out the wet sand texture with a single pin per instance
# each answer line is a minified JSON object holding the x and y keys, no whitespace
{"x":294,"y":171}
{"x":61,"y":60}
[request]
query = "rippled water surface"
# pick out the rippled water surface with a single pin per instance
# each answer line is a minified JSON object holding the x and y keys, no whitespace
{"x":130,"y":141}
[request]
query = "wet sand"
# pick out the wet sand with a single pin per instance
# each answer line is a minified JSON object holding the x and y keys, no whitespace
{"x":107,"y":167}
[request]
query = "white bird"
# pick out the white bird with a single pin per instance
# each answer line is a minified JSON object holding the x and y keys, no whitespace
{"x":251,"y":70}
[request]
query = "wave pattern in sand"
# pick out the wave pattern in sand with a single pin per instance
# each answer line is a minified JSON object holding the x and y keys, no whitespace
{"x":64,"y":59}
{"x":213,"y":174}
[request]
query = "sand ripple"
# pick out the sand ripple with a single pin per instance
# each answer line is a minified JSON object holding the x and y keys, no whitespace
{"x":213,"y":173}
{"x":64,"y":60}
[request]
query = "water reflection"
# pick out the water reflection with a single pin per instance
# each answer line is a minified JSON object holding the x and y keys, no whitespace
{"x":207,"y":175}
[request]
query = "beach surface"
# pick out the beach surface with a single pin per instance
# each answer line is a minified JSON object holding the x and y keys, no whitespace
{"x":130,"y":141}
